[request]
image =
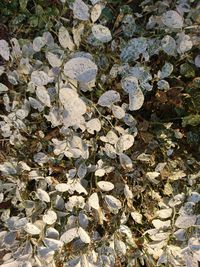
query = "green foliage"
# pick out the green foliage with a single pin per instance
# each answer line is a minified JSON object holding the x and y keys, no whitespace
{"x":23,"y":4}
{"x":193,"y":138}
{"x":28,"y":12}
{"x":187,"y":70}
{"x":193,"y":120}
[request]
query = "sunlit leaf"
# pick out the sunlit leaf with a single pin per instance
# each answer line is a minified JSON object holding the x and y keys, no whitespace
{"x":101,"y":33}
{"x":120,"y":247}
{"x":185,"y":221}
{"x":93,"y":125}
{"x":50,"y":217}
{"x":93,"y":201}
{"x":83,"y":235}
{"x":71,"y":101}
{"x":125,"y":161}
{"x":69,"y":235}
{"x":96,"y":12}
{"x":38,"y":43}
{"x":81,"y":69}
{"x":4,"y":50}
{"x":108,"y":98}
{"x":113,"y":203}
{"x":80,"y":10}
{"x":77,"y":33}
{"x":100,"y":172}
{"x":77,"y":202}
{"x":43,"y":195}
{"x":53,"y":244}
{"x":65,"y":39}
{"x":32,"y":229}
{"x":137,"y":217}
{"x":158,"y":224}
{"x":105,"y":186}
{"x":3,"y":88}
{"x":43,"y":95}
{"x":118,"y":112}
{"x":136,"y":97}
{"x":39,"y":78}
{"x":53,"y":59}
{"x":164,"y":213}
{"x":125,"y":142}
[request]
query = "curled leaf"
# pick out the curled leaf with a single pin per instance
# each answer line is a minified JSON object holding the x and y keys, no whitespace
{"x":166,"y":70}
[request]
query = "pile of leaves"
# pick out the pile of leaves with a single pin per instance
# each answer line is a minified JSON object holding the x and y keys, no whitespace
{"x":100,"y":127}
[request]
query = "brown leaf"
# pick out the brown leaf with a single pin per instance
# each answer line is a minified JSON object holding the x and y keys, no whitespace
{"x":161,"y":97}
{"x":175,"y":96}
{"x":5,"y":205}
{"x":143,"y":125}
{"x":146,"y":137}
{"x":52,"y":134}
{"x":118,"y":262}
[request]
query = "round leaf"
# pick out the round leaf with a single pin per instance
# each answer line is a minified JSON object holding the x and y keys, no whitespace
{"x":108,"y":98}
{"x":32,"y":229}
{"x":50,"y":217}
{"x":172,"y":19}
{"x":105,"y":186}
{"x":101,"y":33}
{"x":81,"y":69}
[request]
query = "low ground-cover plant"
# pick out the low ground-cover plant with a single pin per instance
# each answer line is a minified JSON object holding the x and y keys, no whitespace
{"x":99,"y":132}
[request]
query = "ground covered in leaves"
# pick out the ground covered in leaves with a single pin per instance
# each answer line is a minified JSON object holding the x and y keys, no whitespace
{"x":99,"y":133}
